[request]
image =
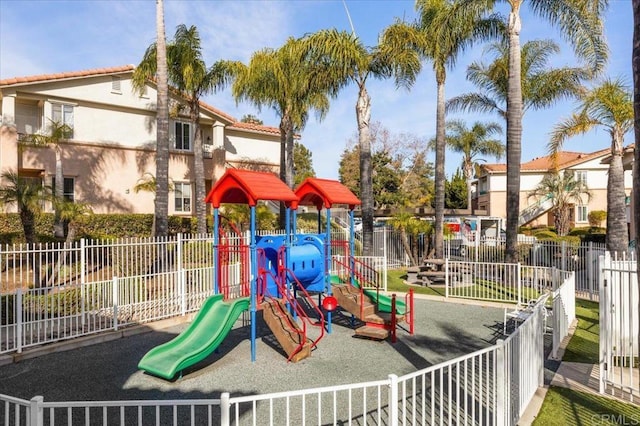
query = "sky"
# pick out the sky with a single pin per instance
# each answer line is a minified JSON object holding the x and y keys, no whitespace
{"x":43,"y":37}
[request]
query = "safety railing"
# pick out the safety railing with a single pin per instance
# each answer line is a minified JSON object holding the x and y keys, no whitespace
{"x":489,"y":386}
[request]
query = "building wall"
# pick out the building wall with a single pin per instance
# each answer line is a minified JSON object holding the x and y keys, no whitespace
{"x":113,"y":145}
{"x":597,"y":175}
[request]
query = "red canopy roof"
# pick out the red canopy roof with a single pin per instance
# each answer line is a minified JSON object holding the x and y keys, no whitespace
{"x":324,"y":192}
{"x":247,"y":187}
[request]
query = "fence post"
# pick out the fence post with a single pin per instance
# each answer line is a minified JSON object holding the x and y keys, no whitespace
{"x":384,"y":276}
{"x":384,"y":244}
{"x":501,"y":391}
{"x":115,"y":303}
{"x":563,"y":264}
{"x":35,"y":411}
{"x":83,"y":271}
{"x":519,"y":282}
{"x":181,"y":274}
{"x":18,"y":320}
{"x":225,"y":408}
{"x":393,"y":400}
{"x":603,"y":263}
{"x":446,"y":277}
{"x":590,"y":270}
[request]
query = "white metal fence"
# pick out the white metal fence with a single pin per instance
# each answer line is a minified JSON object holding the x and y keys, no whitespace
{"x":491,"y":386}
{"x":563,"y":312}
{"x":619,"y":328}
{"x":55,"y":292}
{"x":579,"y":258}
{"x":499,"y":282}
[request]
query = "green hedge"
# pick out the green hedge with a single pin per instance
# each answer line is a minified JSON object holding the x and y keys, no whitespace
{"x":98,"y":226}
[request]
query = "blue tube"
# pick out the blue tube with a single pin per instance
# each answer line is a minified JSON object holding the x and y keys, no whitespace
{"x":254,"y":262}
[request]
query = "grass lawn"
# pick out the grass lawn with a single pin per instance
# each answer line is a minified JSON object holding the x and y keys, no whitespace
{"x":567,"y":407}
{"x":396,"y":277}
{"x":563,"y":406}
{"x":584,"y":345}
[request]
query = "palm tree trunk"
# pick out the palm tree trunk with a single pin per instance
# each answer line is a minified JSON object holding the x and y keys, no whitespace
{"x":58,"y":223}
{"x":439,"y":172}
{"x":363,"y":115}
{"x":561,"y":220}
{"x":617,"y":239}
{"x":636,"y":107}
{"x":468,"y":172}
{"x":407,"y":246}
{"x":162,"y":142}
{"x":285,"y":123}
{"x":514,"y":133}
{"x":198,"y":168}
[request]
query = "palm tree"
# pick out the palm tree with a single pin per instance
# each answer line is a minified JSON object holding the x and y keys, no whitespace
{"x":408,"y":225}
{"x":71,"y":212}
{"x":565,"y":191}
{"x":148,"y":183}
{"x":580,"y":23}
{"x":288,"y":81}
{"x":472,"y":143}
{"x":542,"y":85}
{"x":607,"y":105}
{"x":351,"y":62}
{"x":188,"y":74}
{"x":636,"y":107}
{"x":442,"y":32}
{"x":54,"y":137}
{"x":28,"y":195}
{"x":161,"y":214}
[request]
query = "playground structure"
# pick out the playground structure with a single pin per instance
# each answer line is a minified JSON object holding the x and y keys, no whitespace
{"x":279,"y":275}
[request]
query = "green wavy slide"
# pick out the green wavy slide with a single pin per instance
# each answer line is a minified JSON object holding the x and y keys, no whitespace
{"x":382,"y":300}
{"x":208,"y":329}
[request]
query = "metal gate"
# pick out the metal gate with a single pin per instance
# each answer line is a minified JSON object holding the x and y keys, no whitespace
{"x":619,"y":328}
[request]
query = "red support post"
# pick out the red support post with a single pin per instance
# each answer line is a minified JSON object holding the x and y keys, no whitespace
{"x":411,"y":314}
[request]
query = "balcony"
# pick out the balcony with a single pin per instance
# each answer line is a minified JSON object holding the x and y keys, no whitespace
{"x":207,"y":151}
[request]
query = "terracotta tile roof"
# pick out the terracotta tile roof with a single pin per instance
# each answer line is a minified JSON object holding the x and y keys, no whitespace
{"x":239,"y":125}
{"x":65,"y":75}
{"x":216,"y":111}
{"x":565,"y":159}
{"x":234,"y":123}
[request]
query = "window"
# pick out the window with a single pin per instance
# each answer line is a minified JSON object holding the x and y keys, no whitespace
{"x":63,"y":114}
{"x":581,"y":176}
{"x":67,"y":190}
{"x":182,"y":136}
{"x":183,"y":197}
{"x":582,"y":214}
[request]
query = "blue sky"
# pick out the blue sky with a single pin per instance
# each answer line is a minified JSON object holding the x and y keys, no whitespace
{"x":41,"y":37}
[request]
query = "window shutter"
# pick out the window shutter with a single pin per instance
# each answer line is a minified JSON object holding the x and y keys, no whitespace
{"x":115,"y":84}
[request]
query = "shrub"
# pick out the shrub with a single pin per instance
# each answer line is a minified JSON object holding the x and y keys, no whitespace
{"x":545,"y":234}
{"x":596,"y":218}
{"x":98,"y":227}
{"x":579,"y":232}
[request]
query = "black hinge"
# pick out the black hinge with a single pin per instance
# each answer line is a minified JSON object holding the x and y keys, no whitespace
{"x":606,"y":367}
{"x":605,"y":282}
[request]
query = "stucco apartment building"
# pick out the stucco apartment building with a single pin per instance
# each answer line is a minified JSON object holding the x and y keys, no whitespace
{"x":114,"y":137}
{"x":589,"y":167}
